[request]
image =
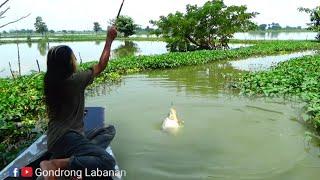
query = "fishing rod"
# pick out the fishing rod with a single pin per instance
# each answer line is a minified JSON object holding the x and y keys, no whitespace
{"x":120,"y":9}
{"x":119,"y":12}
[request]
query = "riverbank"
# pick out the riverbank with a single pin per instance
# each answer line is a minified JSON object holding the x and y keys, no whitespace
{"x":73,"y":38}
{"x":21,"y":100}
{"x":254,"y":35}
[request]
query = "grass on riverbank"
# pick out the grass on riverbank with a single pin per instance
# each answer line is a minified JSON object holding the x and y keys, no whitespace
{"x":299,"y":77}
{"x":21,"y":100}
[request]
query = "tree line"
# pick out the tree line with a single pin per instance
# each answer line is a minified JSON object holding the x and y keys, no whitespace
{"x":210,"y":26}
{"x":276,"y":26}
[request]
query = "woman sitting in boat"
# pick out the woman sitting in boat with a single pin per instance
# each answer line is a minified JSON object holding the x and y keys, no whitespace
{"x":64,"y":88}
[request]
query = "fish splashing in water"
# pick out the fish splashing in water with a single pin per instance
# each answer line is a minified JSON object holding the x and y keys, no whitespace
{"x":172,"y":123}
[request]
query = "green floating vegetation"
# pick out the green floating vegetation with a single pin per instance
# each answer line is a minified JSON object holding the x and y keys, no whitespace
{"x":177,"y":59}
{"x":22,"y":108}
{"x":299,"y":77}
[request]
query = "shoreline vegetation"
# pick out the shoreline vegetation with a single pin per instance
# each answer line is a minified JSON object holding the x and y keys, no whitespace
{"x":73,"y":38}
{"x":35,"y":38}
{"x":22,"y":108}
{"x":281,"y":31}
{"x":298,"y":77}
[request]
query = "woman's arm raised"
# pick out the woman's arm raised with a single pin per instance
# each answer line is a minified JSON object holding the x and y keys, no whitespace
{"x":104,"y":59}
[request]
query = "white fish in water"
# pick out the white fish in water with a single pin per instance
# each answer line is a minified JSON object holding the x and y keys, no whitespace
{"x":208,"y":72}
{"x":171,"y":123}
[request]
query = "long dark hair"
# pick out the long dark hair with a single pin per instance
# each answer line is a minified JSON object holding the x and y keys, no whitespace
{"x":60,"y":66}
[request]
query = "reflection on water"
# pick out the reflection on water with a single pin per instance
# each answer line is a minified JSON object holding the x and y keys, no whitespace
{"x":89,"y":51}
{"x":202,"y":80}
{"x":129,"y":48}
{"x":224,"y":136}
{"x":29,"y":44}
{"x":43,"y":47}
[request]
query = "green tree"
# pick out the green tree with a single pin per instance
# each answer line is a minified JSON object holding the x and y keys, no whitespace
{"x":128,"y":49}
{"x":148,"y":31}
{"x":156,"y":32}
{"x":40,"y":26}
{"x":29,"y":41}
{"x":263,"y":27}
{"x":208,"y":27}
{"x":96,"y":27}
{"x":314,"y":19}
{"x":126,"y":26}
{"x":274,"y":26}
{"x":43,"y":47}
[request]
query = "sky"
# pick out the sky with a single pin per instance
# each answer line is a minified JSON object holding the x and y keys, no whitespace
{"x":80,"y":14}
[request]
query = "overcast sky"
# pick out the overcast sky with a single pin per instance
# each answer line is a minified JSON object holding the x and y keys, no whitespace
{"x":80,"y":14}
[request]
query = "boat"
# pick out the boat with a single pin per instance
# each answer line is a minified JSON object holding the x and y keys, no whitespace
{"x":37,"y":152}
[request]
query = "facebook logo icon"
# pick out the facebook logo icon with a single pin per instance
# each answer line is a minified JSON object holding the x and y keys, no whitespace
{"x":14,"y":172}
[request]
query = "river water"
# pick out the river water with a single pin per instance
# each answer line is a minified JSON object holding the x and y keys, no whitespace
{"x":87,"y":51}
{"x":224,"y":137}
{"x":276,"y":36}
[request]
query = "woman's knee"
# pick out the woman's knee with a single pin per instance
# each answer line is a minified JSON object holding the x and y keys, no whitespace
{"x":108,"y":162}
{"x":102,"y":137}
{"x":103,"y":162}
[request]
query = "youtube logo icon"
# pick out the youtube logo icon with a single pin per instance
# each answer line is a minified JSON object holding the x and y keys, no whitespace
{"x":26,"y":172}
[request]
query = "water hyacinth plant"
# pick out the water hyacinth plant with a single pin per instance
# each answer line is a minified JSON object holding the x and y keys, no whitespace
{"x":299,"y":77}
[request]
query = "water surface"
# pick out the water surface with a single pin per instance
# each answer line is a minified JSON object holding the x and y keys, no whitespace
{"x":87,"y":51}
{"x":276,"y":36}
{"x":224,"y":137}
{"x":265,"y":63}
